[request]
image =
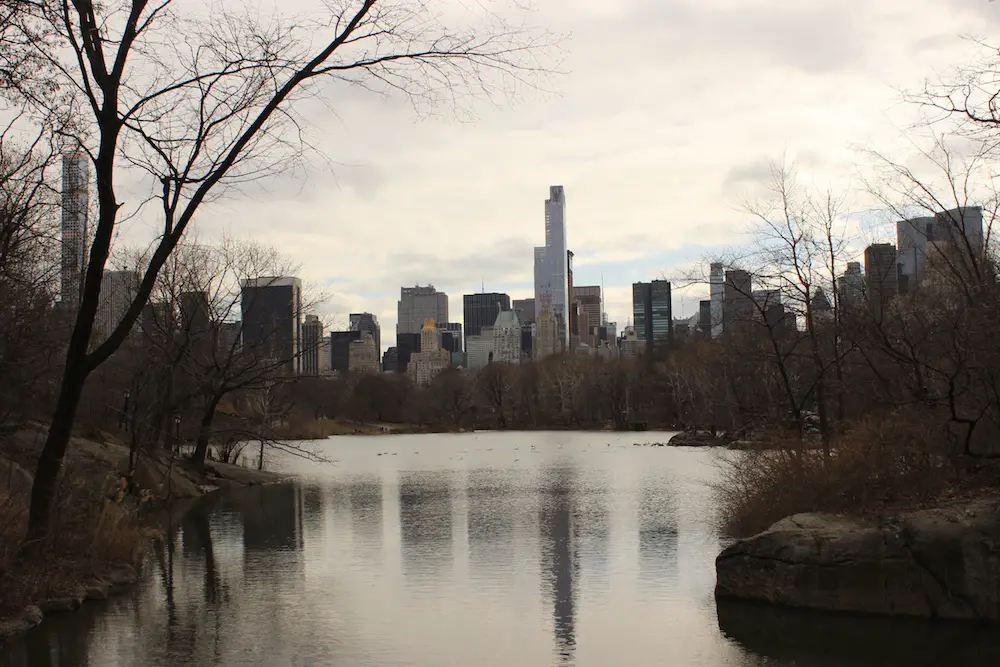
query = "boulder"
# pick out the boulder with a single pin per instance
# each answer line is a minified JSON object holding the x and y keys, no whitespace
{"x":97,"y":590}
{"x":159,"y":477}
{"x":14,"y":479}
{"x":58,"y":605}
{"x":935,"y":563}
{"x":695,"y":439}
{"x":124,"y":575}
{"x":29,"y":617}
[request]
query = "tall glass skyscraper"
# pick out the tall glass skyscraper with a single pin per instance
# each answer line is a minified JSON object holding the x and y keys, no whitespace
{"x":75,"y":200}
{"x":652,"y":312}
{"x":551,"y":263}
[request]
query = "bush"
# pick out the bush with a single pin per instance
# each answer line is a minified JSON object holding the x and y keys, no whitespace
{"x":92,"y":535}
{"x":893,"y":461}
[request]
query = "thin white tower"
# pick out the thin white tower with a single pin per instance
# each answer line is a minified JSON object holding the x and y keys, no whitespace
{"x":75,"y":200}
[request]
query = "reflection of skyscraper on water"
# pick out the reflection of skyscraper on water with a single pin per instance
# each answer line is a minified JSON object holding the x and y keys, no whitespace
{"x":365,"y":497}
{"x":558,"y":555}
{"x":425,"y":523}
{"x":490,"y":522}
{"x":657,"y":534}
{"x":272,"y":517}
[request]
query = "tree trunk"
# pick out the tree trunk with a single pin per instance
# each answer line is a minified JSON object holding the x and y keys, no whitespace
{"x":204,"y":432}
{"x":50,"y":460}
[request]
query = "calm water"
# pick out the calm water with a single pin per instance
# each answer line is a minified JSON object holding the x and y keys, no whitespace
{"x":467,"y":550}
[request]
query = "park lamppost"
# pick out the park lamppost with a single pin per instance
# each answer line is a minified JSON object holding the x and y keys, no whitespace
{"x":177,"y":429}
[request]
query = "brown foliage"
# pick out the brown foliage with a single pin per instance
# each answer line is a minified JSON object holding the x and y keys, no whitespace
{"x":896,"y":460}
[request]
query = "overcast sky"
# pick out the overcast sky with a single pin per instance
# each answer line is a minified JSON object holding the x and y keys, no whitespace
{"x":668,"y":112}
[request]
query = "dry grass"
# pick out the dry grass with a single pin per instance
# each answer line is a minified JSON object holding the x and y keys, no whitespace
{"x":896,"y":461}
{"x":92,"y":535}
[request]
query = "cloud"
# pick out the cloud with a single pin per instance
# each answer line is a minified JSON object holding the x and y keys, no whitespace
{"x":667,"y":113}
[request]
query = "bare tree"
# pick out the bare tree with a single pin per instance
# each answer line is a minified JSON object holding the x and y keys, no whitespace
{"x":200,"y":101}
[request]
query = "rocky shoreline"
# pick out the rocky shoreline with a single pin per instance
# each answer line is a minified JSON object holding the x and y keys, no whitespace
{"x":171,"y":488}
{"x":941,"y":563}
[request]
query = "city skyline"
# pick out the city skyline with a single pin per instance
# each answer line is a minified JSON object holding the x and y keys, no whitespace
{"x":653,"y":188}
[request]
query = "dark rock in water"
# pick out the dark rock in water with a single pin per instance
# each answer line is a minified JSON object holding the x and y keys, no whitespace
{"x":57,"y":605}
{"x":97,"y":590}
{"x":936,"y":563}
{"x":123,"y":576}
{"x":696,"y":439}
{"x":796,"y":637}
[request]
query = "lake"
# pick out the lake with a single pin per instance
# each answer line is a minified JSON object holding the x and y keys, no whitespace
{"x":473,"y":550}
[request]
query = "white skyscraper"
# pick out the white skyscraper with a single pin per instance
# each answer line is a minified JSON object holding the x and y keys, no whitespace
{"x":551,"y":262}
{"x":75,"y":199}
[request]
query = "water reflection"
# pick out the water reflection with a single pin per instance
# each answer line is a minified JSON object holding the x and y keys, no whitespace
{"x":425,"y":524}
{"x":589,"y":557}
{"x":558,"y":556}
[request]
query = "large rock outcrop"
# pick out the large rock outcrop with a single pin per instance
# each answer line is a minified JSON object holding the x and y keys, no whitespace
{"x":936,"y":563}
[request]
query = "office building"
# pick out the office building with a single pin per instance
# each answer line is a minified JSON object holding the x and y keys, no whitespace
{"x":589,"y":311}
{"x":230,"y":334}
{"x":418,"y":304}
{"x":525,"y":309}
{"x":547,"y":341}
{"x":75,"y":202}
{"x":118,"y":289}
{"x":881,"y":277}
{"x":851,"y":287}
{"x":431,"y":359}
{"x":705,"y":318}
{"x":367,"y":323}
{"x":652,"y":313}
{"x":481,"y":310}
{"x":959,"y":230}
{"x":479,"y":349}
{"x":450,"y":335}
{"x":717,"y":295}
{"x":272,"y":320}
{"x":630,"y":345}
{"x":507,"y":338}
{"x":363,"y":355}
{"x":738,"y":306}
{"x":340,"y":349}
{"x":197,"y":326}
{"x":390,"y":360}
{"x":407,"y":345}
{"x":552,"y":264}
{"x":312,"y":337}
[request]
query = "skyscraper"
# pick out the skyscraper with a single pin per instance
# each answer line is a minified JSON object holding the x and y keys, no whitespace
{"x":507,"y":338}
{"x":546,"y":333}
{"x":75,"y":200}
{"x":652,"y":313}
{"x":272,"y":320}
{"x":738,"y":306}
{"x":312,"y":337}
{"x":481,"y":310}
{"x":525,"y":309}
{"x":590,"y":310}
{"x":368,"y":323}
{"x":881,"y":277}
{"x":417,"y":305}
{"x":960,"y":229}
{"x":717,"y":280}
{"x":551,"y":263}
{"x":431,"y":359}
{"x":118,"y":288}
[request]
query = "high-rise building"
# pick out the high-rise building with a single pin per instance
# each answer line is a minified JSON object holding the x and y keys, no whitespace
{"x":118,"y":288}
{"x":367,"y":323}
{"x":407,"y":344}
{"x":630,"y":345}
{"x":738,"y":305}
{"x":547,"y":340}
{"x":390,"y":360}
{"x":363,"y":355}
{"x":525,"y":309}
{"x":417,"y":305}
{"x":705,"y":318}
{"x":851,"y":286}
{"x":340,"y":349}
{"x":507,"y":338}
{"x":652,"y":313}
{"x":479,"y":349}
{"x":960,"y":229}
{"x":589,"y":312}
{"x":196,"y":325}
{"x":450,"y":334}
{"x":312,"y":337}
{"x":272,"y":320}
{"x":551,"y":263}
{"x":481,"y":310}
{"x":881,"y":277}
{"x":75,"y":202}
{"x":431,"y":359}
{"x":717,"y":296}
